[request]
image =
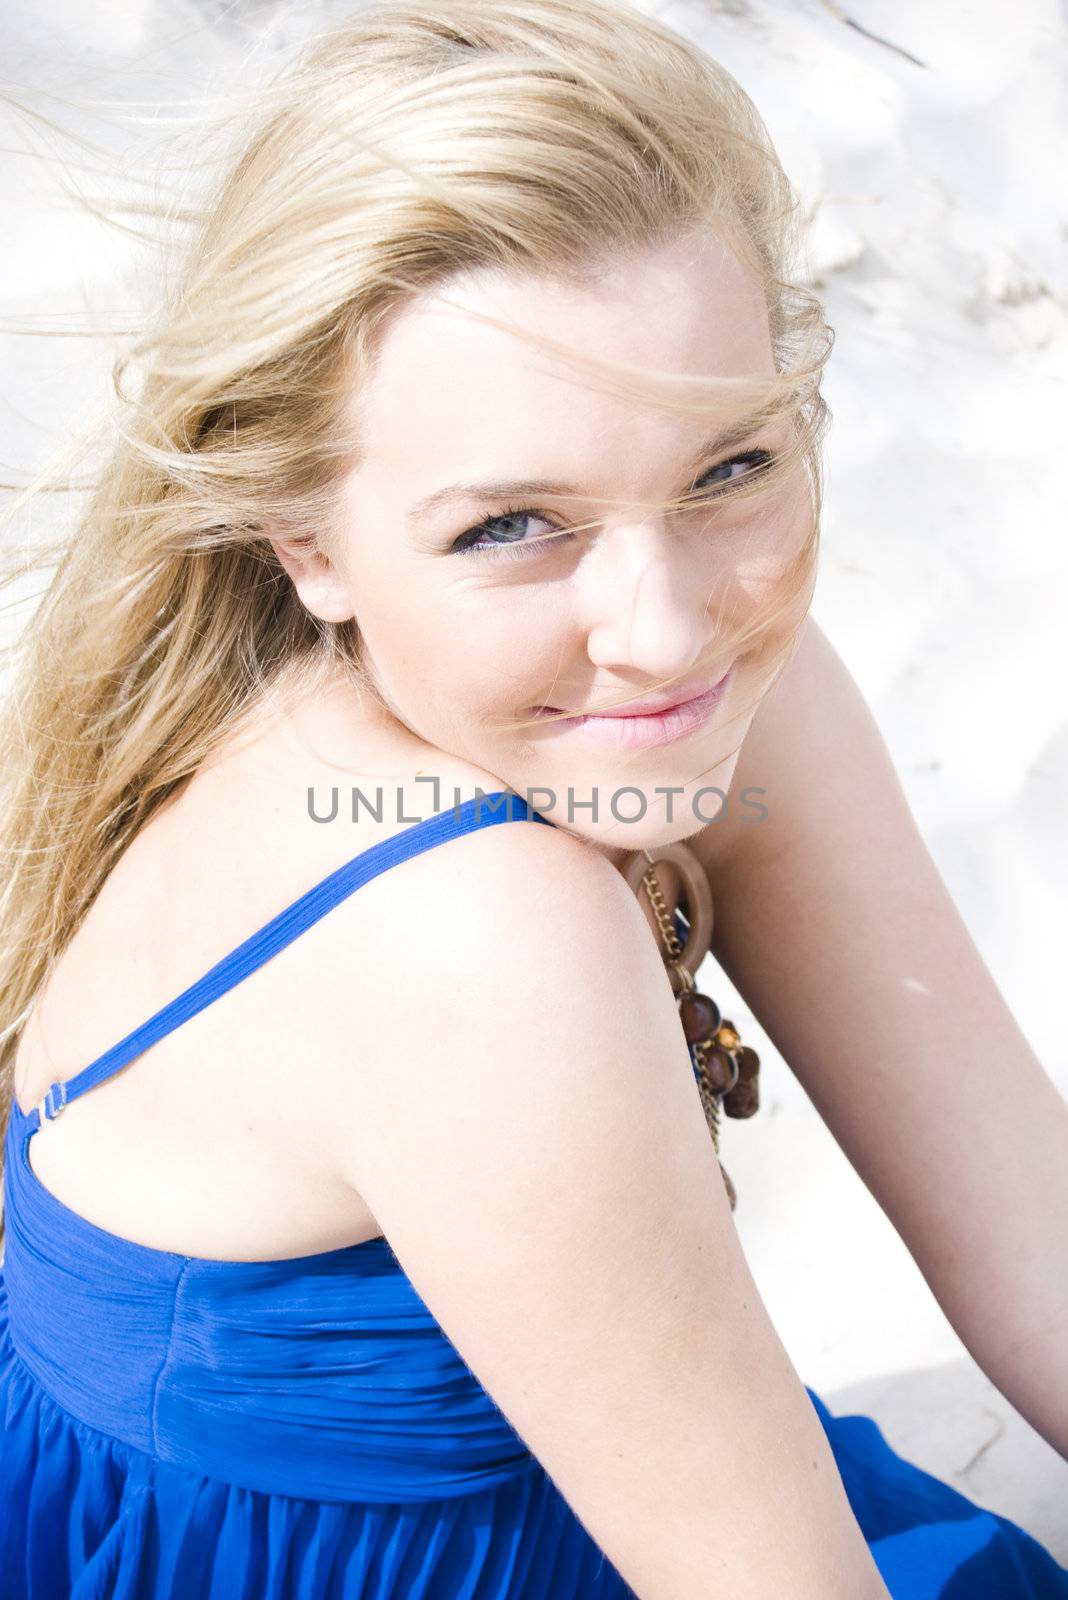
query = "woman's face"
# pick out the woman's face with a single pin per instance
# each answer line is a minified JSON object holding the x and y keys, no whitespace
{"x":471,"y":617}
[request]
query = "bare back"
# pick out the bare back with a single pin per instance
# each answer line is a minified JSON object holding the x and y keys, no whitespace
{"x":214,"y":1141}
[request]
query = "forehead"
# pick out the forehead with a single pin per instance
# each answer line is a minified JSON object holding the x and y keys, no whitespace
{"x":463,"y":395}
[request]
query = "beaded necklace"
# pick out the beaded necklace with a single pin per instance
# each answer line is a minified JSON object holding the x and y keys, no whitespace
{"x":726,"y":1070}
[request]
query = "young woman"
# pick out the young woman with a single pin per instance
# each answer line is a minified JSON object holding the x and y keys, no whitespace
{"x":390,"y":1257}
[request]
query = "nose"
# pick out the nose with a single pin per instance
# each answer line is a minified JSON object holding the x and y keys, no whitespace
{"x":644,"y":603}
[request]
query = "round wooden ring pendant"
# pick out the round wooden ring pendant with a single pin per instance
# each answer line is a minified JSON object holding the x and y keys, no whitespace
{"x":696,"y":891}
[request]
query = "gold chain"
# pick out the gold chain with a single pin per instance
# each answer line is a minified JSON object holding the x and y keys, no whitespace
{"x":652,"y":889}
{"x":667,"y":931}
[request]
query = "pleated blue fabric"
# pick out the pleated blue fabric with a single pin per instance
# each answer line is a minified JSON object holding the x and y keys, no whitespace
{"x":178,"y":1428}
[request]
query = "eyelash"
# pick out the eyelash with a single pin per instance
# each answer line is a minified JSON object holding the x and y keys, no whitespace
{"x":760,"y":459}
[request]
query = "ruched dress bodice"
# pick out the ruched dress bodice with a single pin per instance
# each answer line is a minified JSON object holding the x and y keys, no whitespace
{"x":216,"y":1428}
{"x":323,"y":1375}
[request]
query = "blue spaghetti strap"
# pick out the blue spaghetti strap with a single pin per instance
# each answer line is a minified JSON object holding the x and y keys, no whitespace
{"x":483,"y":811}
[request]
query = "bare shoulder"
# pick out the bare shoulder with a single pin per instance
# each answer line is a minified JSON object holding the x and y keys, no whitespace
{"x":518,"y":883}
{"x":527,"y":1132}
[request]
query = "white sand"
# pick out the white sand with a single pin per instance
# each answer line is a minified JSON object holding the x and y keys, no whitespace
{"x":939,"y":223}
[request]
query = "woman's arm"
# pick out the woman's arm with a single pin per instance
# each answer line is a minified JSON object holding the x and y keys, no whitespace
{"x":836,"y":927}
{"x":529,"y":1137}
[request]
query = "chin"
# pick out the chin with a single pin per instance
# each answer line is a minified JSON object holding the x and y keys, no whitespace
{"x":700,"y":804}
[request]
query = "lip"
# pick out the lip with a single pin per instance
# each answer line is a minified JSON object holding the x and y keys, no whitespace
{"x":647,"y":729}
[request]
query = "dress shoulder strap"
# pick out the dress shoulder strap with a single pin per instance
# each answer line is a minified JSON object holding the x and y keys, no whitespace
{"x":483,"y":811}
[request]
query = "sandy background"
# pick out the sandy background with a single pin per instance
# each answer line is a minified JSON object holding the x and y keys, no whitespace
{"x":938,"y":236}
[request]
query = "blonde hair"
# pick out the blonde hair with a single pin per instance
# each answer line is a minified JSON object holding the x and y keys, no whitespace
{"x":420,"y":139}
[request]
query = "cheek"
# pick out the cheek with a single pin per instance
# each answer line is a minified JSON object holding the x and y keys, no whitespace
{"x":768,"y":541}
{"x":456,"y":651}
{"x":401,"y":618}
{"x":504,"y":644}
{"x":793,"y":512}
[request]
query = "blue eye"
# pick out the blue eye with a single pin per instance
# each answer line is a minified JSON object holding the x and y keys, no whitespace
{"x":753,"y":459}
{"x":512,"y":543}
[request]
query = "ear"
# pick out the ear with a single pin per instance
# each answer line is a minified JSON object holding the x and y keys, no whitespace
{"x":318,"y":582}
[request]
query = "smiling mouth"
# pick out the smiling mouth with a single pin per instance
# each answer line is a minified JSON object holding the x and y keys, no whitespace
{"x":645,"y":709}
{"x":645,"y":730}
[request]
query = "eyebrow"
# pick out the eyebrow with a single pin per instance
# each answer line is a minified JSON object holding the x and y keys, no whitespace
{"x":510,"y":489}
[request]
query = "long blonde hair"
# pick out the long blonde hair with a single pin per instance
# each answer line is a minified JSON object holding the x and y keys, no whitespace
{"x":419,"y":139}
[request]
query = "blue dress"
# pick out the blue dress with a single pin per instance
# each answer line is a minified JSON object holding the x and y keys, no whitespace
{"x":177,"y":1428}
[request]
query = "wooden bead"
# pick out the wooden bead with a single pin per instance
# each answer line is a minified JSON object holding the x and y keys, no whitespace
{"x":728,"y":1037}
{"x":720,"y":1071}
{"x":748,"y":1063}
{"x":743,"y":1100}
{"x":700,"y":1016}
